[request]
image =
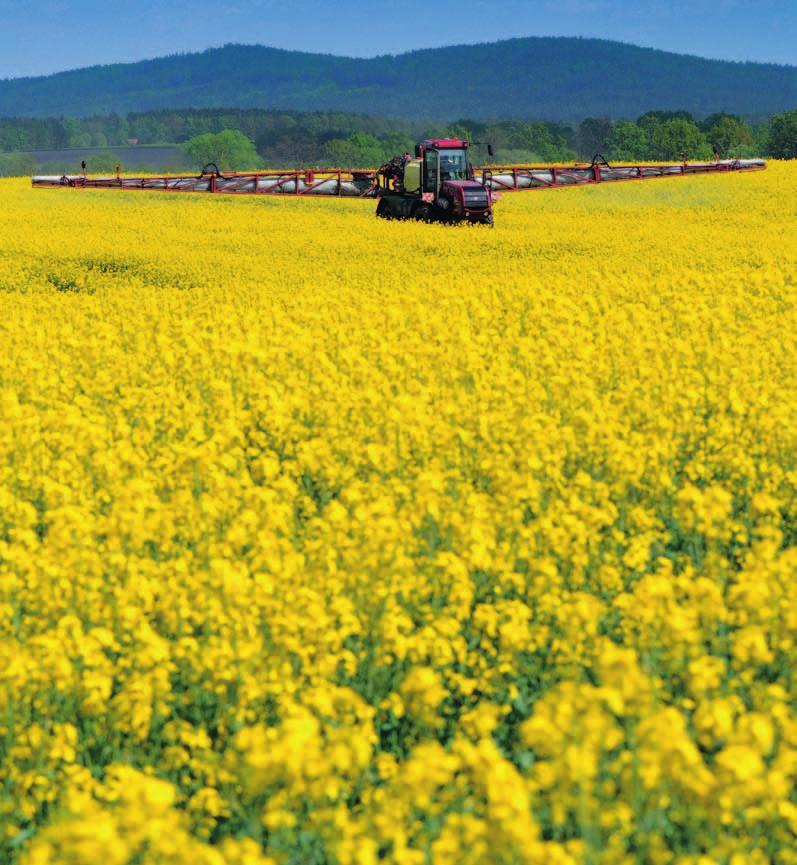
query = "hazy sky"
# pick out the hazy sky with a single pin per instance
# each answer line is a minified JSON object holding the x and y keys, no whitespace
{"x":42,"y":36}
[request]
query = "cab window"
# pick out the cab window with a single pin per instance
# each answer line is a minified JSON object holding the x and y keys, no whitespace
{"x":454,"y":164}
{"x":430,"y":160}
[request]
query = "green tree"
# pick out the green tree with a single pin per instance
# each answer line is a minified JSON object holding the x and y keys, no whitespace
{"x":628,"y":142}
{"x":16,"y":165}
{"x":783,"y":136}
{"x":662,"y":116}
{"x":713,"y":119}
{"x":669,"y":138}
{"x":72,"y":131}
{"x":104,"y":162}
{"x":761,"y":137}
{"x":359,"y":150}
{"x":462,"y":129}
{"x":594,"y":134}
{"x":230,"y":149}
{"x":729,"y":134}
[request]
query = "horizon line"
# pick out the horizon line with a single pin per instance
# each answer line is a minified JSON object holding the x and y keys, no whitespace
{"x":397,"y":55}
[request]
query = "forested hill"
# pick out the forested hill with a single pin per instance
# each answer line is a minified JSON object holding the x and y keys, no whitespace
{"x":543,"y":77}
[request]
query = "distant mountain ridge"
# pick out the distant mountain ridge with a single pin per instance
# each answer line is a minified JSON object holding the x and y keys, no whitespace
{"x":555,"y":78}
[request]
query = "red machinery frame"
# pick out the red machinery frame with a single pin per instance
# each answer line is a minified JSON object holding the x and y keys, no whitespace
{"x":562,"y":177}
{"x":305,"y":182}
{"x":367,"y":183}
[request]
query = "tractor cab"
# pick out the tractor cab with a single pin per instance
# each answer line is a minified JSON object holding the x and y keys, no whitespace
{"x":437,"y":185}
{"x":448,"y":177}
{"x":443,"y":159}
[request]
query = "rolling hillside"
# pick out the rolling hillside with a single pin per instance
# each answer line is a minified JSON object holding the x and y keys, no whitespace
{"x":544,"y":77}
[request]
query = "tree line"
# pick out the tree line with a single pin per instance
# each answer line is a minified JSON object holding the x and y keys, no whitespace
{"x":554,"y":78}
{"x":285,"y":139}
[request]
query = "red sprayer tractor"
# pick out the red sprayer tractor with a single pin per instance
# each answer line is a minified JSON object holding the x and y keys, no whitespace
{"x":437,"y":184}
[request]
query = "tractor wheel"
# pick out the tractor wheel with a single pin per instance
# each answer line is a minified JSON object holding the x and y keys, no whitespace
{"x":383,"y":210}
{"x":488,"y":220}
{"x":422,"y":213}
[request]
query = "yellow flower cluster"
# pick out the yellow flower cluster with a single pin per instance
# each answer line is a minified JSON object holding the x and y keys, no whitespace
{"x":331,"y":540}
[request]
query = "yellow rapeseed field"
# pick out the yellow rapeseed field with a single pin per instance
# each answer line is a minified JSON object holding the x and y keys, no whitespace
{"x":330,"y":541}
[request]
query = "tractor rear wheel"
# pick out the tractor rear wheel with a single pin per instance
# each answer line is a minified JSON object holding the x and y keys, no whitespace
{"x":383,"y":210}
{"x":422,"y":213}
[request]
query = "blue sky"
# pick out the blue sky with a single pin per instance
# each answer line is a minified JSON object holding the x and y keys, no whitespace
{"x":42,"y":36}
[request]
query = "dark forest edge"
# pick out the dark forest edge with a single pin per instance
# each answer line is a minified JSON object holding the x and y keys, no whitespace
{"x":284,"y":139}
{"x":555,"y":78}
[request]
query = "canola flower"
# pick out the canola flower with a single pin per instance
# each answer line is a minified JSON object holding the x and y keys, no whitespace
{"x":329,"y":540}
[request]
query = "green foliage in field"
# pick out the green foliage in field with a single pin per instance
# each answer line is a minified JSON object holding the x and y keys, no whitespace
{"x":229,"y":150}
{"x":16,"y":164}
{"x":783,"y":136}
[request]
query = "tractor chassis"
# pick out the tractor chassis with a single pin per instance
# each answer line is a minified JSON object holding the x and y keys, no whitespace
{"x":403,"y":206}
